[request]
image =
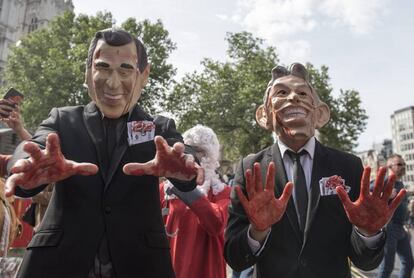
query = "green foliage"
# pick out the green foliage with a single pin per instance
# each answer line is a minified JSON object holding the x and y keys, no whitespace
{"x":225,"y":96}
{"x":48,"y":65}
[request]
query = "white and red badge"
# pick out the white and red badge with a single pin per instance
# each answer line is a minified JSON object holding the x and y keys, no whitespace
{"x":327,"y":185}
{"x":140,"y":132}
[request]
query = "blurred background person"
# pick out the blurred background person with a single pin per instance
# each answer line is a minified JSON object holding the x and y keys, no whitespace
{"x":195,"y":220}
{"x":398,"y":240}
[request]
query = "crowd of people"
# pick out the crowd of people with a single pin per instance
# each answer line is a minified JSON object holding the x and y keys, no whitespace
{"x":294,"y":209}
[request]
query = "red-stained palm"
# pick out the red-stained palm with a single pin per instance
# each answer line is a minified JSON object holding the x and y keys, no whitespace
{"x":262,"y":208}
{"x":170,"y":162}
{"x":372,"y":210}
{"x":45,"y":166}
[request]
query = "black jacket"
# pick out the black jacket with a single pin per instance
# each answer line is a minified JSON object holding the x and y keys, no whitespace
{"x":83,"y":207}
{"x":329,"y":239}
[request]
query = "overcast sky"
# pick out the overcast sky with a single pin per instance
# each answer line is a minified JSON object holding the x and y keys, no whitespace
{"x":368,"y":45}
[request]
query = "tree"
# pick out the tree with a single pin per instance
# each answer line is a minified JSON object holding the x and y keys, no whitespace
{"x":348,"y":118}
{"x":48,"y":65}
{"x":225,"y":96}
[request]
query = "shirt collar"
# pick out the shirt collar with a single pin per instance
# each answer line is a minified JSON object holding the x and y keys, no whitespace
{"x":309,"y":147}
{"x":123,"y":116}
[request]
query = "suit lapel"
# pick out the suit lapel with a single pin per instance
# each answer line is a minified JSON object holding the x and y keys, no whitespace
{"x":281,"y":180}
{"x":93,"y":122}
{"x":320,"y":165}
{"x":122,"y":142}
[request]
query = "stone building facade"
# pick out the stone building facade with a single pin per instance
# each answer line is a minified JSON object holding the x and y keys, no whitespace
{"x":21,"y":17}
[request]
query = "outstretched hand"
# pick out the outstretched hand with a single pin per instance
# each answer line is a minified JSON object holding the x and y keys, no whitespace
{"x":371,"y":211}
{"x":45,"y":166}
{"x":262,"y":208}
{"x":169,"y":162}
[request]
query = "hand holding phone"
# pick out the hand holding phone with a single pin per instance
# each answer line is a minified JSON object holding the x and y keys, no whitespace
{"x":14,"y":95}
{"x":9,"y":103}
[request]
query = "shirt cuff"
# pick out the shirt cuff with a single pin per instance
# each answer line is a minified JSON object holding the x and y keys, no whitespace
{"x":372,"y":242}
{"x":254,"y":244}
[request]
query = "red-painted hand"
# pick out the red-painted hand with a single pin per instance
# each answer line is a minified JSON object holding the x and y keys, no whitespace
{"x":45,"y":166}
{"x":371,"y":211}
{"x":262,"y":208}
{"x":169,"y":162}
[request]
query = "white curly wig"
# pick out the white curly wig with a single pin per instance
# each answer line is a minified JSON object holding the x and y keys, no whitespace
{"x":205,"y":141}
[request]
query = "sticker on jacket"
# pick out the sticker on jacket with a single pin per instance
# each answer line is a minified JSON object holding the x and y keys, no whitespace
{"x":327,"y":185}
{"x":140,"y":132}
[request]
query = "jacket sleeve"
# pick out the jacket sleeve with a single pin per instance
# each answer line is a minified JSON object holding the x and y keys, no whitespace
{"x":237,"y":251}
{"x":46,"y":127}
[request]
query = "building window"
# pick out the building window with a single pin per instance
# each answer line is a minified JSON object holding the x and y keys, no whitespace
{"x":1,"y":6}
{"x":33,"y":24}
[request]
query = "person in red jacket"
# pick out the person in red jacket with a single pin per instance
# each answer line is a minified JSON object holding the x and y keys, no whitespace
{"x":195,"y":220}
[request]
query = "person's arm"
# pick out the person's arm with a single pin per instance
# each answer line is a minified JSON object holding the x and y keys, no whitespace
{"x":212,"y":216}
{"x":39,"y":161}
{"x":368,"y":212}
{"x":170,"y":162}
{"x":10,"y":114}
{"x":262,"y":209}
{"x":237,"y":251}
{"x":16,"y":123}
{"x":171,"y":135}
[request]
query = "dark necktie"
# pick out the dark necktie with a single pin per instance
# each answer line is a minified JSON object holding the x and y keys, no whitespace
{"x":300,"y":190}
{"x":110,"y":132}
{"x":110,"y":135}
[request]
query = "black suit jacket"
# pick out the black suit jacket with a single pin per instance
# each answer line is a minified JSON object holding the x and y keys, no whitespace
{"x":83,"y":207}
{"x":329,"y":239}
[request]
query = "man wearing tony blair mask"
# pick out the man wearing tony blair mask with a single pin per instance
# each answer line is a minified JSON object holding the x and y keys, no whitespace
{"x":331,"y":218}
{"x":104,"y":218}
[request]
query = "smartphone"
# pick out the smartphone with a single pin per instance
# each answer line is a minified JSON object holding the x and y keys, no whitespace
{"x":14,"y":95}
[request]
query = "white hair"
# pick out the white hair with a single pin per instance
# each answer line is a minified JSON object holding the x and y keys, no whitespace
{"x":203,"y":139}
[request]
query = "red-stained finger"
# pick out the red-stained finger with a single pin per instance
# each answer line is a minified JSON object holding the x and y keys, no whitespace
{"x":388,"y":187}
{"x":189,"y":161}
{"x":10,"y":185}
{"x":379,"y":182}
{"x":21,"y":165}
{"x":139,"y":169}
{"x":85,"y":169}
{"x":200,"y":175}
{"x":270,"y":177}
{"x":33,"y":150}
{"x":161,"y":145}
{"x":242,"y":198}
{"x":343,"y":196}
{"x":365,"y":182}
{"x":397,"y":200}
{"x":53,"y":144}
{"x":6,"y":107}
{"x":250,"y":188}
{"x":287,"y":192}
{"x":7,"y":101}
{"x":257,"y":177}
{"x":178,"y":148}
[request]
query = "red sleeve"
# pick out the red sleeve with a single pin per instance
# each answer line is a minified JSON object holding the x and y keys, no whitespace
{"x":212,"y":215}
